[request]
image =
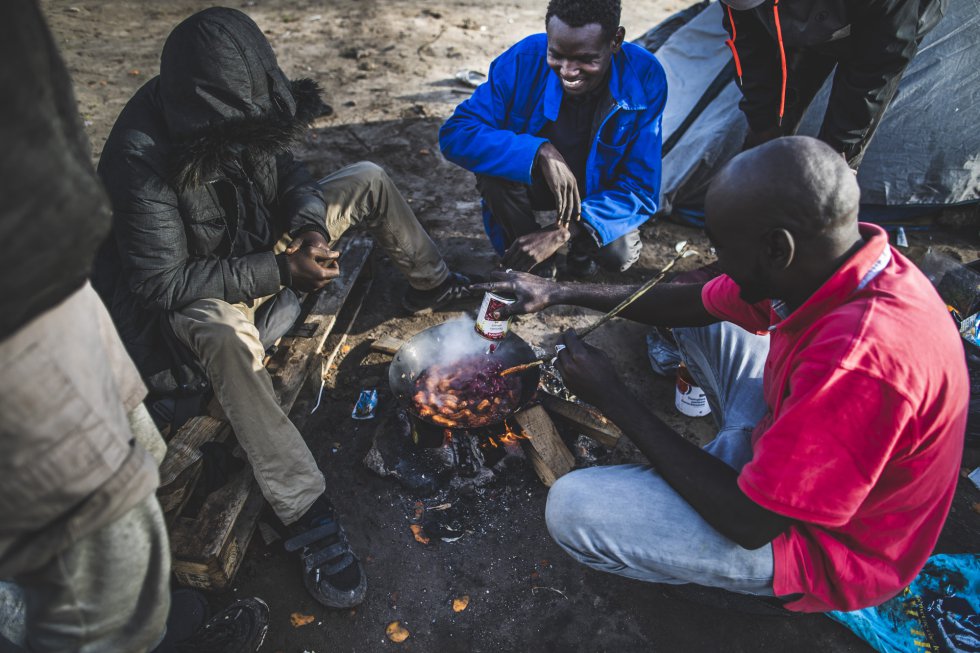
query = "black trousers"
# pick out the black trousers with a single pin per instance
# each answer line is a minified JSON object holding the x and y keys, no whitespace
{"x":512,"y":207}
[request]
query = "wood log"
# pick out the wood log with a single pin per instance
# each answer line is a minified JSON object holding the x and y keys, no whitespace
{"x":387,"y":345}
{"x":208,"y":547}
{"x":181,"y":467}
{"x":543,"y":445}
{"x":583,"y":419}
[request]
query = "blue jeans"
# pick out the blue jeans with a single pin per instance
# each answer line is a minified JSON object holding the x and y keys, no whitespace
{"x":628,"y":520}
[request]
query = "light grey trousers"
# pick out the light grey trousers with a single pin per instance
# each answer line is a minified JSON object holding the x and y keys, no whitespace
{"x":628,"y":520}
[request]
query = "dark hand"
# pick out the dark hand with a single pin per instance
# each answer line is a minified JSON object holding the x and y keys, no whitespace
{"x":561,"y":181}
{"x":311,"y":267}
{"x":587,"y":372}
{"x":310,"y":238}
{"x":532,"y":293}
{"x":535,"y":247}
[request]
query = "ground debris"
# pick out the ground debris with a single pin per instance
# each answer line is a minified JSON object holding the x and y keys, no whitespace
{"x":460,"y":603}
{"x":396,"y":632}
{"x":299,"y":620}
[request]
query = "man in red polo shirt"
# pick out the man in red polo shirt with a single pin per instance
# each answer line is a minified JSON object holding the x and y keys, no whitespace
{"x":839,"y":387}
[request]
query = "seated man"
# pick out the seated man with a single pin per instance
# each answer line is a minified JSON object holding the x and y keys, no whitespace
{"x":841,"y":398}
{"x":203,"y":187}
{"x":567,"y":121}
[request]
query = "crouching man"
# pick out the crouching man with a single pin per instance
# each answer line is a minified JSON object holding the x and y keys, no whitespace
{"x":837,"y":381}
{"x":567,"y":124}
{"x":212,"y":219}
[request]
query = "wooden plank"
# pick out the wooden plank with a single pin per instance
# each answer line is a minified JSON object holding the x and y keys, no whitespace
{"x":182,"y":465}
{"x":292,"y":363}
{"x":387,"y":345}
{"x":544,"y":447}
{"x":583,"y":419}
{"x":208,"y":546}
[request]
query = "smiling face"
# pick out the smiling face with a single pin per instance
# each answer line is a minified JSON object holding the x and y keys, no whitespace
{"x":580,"y":56}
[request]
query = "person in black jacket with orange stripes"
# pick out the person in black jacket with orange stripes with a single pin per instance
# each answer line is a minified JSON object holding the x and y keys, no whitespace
{"x":785,"y":50}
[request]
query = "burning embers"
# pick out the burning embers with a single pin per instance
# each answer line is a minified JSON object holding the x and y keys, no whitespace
{"x":466,"y":393}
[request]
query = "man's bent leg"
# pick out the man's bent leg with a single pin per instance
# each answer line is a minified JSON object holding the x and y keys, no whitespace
{"x":727,"y":362}
{"x":510,"y":205}
{"x":364,"y":193}
{"x":617,"y":256}
{"x":110,"y":591}
{"x":627,"y":520}
{"x":228,"y":346}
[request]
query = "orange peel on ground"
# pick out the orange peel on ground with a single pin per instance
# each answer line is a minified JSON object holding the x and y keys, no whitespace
{"x":299,"y":620}
{"x":396,"y":632}
{"x":461,"y":602}
{"x":419,"y":534}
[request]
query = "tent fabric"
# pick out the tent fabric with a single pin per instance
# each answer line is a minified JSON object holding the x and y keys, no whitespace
{"x":925,"y":154}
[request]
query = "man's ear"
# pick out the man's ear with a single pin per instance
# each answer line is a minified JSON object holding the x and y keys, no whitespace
{"x":617,"y":41}
{"x":780,"y":249}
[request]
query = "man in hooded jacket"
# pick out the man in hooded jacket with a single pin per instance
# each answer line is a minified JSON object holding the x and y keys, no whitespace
{"x":784,"y":51}
{"x":213,"y":218}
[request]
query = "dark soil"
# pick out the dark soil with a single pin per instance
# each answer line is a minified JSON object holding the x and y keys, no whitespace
{"x":388,"y":70}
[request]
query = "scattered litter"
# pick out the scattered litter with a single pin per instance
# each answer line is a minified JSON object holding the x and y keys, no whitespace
{"x":135,"y":72}
{"x":396,"y":632}
{"x":460,"y":603}
{"x":975,"y":477}
{"x":534,"y":590}
{"x":419,"y":534}
{"x":471,"y":78}
{"x":366,"y":403}
{"x":425,"y":151}
{"x":315,"y":17}
{"x":679,"y":247}
{"x":268,"y":533}
{"x":319,"y":396}
{"x":299,"y":620}
{"x":441,"y":506}
{"x":900,"y":238}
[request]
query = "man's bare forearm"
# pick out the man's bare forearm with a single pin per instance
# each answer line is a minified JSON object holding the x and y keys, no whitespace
{"x":705,"y":482}
{"x":667,"y":305}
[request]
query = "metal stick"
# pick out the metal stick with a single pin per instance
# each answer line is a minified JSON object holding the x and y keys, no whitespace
{"x":684,"y":251}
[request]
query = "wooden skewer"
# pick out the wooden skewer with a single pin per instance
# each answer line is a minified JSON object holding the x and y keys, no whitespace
{"x":608,"y":316}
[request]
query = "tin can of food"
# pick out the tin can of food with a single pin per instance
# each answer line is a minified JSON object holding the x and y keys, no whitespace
{"x":689,"y":399}
{"x":486,"y":325}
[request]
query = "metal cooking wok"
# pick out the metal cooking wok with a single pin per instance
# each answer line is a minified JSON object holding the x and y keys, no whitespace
{"x":429,"y":347}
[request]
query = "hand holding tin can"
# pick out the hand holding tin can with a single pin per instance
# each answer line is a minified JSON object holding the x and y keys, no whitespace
{"x":486,"y":325}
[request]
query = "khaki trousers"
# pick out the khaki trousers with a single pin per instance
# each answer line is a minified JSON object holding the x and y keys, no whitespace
{"x":224,"y":338}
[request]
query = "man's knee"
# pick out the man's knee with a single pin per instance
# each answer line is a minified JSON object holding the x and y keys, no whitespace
{"x":622,"y":253}
{"x":566,"y":511}
{"x":215,"y":325}
{"x":370,"y":173}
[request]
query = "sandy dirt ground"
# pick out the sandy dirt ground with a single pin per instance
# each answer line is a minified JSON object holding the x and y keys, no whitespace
{"x":388,"y":70}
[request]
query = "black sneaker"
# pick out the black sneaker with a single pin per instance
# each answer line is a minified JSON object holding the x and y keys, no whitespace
{"x":331,"y":571}
{"x":454,"y":288}
{"x":239,"y":628}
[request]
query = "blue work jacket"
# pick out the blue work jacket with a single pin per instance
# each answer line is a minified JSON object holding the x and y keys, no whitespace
{"x":494,"y":132}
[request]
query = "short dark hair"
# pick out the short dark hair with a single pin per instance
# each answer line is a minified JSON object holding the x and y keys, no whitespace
{"x":578,"y":13}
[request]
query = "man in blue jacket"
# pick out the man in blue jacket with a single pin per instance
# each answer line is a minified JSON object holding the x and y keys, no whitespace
{"x":568,"y":121}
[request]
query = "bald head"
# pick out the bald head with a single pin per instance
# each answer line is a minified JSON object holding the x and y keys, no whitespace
{"x":796,"y":183}
{"x":782,"y":217}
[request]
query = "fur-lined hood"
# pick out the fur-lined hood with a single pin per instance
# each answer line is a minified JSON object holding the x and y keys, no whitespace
{"x":224,"y":96}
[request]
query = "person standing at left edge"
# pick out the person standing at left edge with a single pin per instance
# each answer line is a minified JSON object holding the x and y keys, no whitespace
{"x":568,"y":121}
